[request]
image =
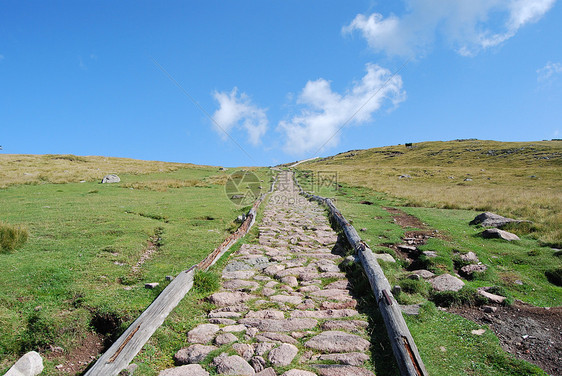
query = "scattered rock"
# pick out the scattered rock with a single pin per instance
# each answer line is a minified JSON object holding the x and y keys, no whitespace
{"x":224,"y":338}
{"x":412,"y":309}
{"x":469,"y":257}
{"x":498,"y":299}
{"x":30,"y":364}
{"x":192,"y":354}
{"x":352,"y":359}
{"x":404,"y":176}
{"x":151,"y":285}
{"x":233,"y":365}
{"x":258,"y":363}
{"x":187,"y":370}
{"x":111,"y":178}
{"x":223,"y":299}
{"x":489,"y":219}
{"x":424,"y":273}
{"x":468,"y":270}
{"x":266,"y":372}
{"x":298,"y":372}
{"x":446,"y":282}
{"x":384,"y":257}
{"x":349,"y":325}
{"x":286,"y":325}
{"x":489,"y":309}
{"x":499,"y":234}
{"x":275,"y":337}
{"x":341,"y":370}
{"x":203,"y":333}
{"x":478,"y":332}
{"x":283,"y":355}
{"x":245,"y":350}
{"x":336,"y":341}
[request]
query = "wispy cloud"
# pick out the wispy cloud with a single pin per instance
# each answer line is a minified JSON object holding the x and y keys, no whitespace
{"x":468,"y":26}
{"x":324,"y":111}
{"x":548,"y":72}
{"x":238,"y":111}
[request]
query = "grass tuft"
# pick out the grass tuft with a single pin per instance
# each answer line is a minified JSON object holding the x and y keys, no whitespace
{"x":206,"y":282}
{"x":12,"y":237}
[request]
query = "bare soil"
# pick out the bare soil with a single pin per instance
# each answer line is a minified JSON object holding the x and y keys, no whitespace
{"x":78,"y":359}
{"x":530,"y":333}
{"x":405,"y":220}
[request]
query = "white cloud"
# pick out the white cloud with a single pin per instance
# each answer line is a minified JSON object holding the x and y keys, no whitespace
{"x":237,"y":111}
{"x":545,"y":73}
{"x":324,"y":111}
{"x":468,"y":26}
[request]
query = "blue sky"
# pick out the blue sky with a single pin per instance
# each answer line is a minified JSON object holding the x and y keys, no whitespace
{"x":281,"y":80}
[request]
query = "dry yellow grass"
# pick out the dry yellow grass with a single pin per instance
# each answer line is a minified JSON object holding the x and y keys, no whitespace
{"x":37,"y":169}
{"x":521,"y":180}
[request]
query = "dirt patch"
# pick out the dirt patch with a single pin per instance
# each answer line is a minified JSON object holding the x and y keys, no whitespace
{"x":405,"y":220}
{"x":76,"y":361}
{"x":530,"y":333}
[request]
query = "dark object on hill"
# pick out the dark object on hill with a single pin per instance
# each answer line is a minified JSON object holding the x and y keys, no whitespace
{"x":366,"y":202}
{"x":112,"y":178}
{"x":489,"y":219}
{"x":499,"y":234}
{"x":554,"y":276}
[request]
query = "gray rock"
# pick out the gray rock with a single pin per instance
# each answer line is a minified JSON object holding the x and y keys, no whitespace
{"x":283,"y":355}
{"x":193,"y":354}
{"x":111,"y":178}
{"x":233,"y":365}
{"x":187,"y":370}
{"x":263,"y":347}
{"x":298,"y":372}
{"x":498,"y":299}
{"x":341,"y":370}
{"x":336,"y":341}
{"x":275,"y":337}
{"x":284,"y":325}
{"x":470,"y":257}
{"x":236,"y":266}
{"x":352,"y":359}
{"x":223,"y":299}
{"x":151,"y":285}
{"x":349,"y":325}
{"x":286,"y":299}
{"x":203,"y":333}
{"x":224,"y":338}
{"x":489,"y":219}
{"x":412,"y":309}
{"x":447,"y":282}
{"x":404,"y":176}
{"x":245,"y":350}
{"x":30,"y":364}
{"x":430,"y":254}
{"x":267,"y":372}
{"x":424,"y":273}
{"x":384,"y":257}
{"x":325,"y":314}
{"x":472,"y":268}
{"x":499,"y":234}
{"x":258,"y":363}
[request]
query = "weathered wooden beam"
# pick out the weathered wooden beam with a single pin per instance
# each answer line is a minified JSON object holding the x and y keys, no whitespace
{"x":403,"y":345}
{"x":122,"y":352}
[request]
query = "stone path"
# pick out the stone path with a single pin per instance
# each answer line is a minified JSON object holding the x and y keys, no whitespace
{"x":285,"y":307}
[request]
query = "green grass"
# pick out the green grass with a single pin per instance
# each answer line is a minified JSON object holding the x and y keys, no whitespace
{"x":12,"y":237}
{"x":75,"y":272}
{"x":517,"y":179}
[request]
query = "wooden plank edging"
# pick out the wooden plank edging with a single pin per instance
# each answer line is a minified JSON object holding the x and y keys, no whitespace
{"x":403,"y":345}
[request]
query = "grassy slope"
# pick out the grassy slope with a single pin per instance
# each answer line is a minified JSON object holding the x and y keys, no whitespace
{"x":85,"y":238}
{"x":518,"y":179}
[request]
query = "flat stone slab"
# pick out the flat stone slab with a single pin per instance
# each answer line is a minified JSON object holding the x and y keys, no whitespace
{"x":240,"y":284}
{"x":187,"y":370}
{"x":233,"y":365}
{"x":275,"y":337}
{"x":349,"y":325}
{"x":285,"y":325}
{"x":193,"y":354}
{"x":203,"y":333}
{"x":286,"y":299}
{"x":499,"y":234}
{"x":341,"y":370}
{"x":325,"y":314}
{"x":283,"y":355}
{"x":352,"y":359}
{"x":298,"y":372}
{"x":266,"y":314}
{"x":242,"y":274}
{"x":336,"y":342}
{"x":226,"y":298}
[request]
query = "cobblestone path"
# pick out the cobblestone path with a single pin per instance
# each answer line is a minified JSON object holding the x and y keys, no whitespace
{"x":285,"y":307}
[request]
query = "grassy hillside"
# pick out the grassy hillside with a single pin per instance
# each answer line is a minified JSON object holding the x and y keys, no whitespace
{"x":91,"y":247}
{"x":518,"y":179}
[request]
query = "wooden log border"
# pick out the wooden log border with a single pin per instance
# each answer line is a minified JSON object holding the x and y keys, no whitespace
{"x":126,"y":347}
{"x":403,"y":345}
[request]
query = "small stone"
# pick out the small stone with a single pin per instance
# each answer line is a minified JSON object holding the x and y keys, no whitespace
{"x":298,"y":372}
{"x":469,"y":270}
{"x":187,"y":370}
{"x":223,"y":339}
{"x":470,"y":257}
{"x":245,"y":350}
{"x":258,"y":363}
{"x":266,"y":372}
{"x":111,"y":178}
{"x":263,"y":347}
{"x":499,"y":234}
{"x":498,"y":299}
{"x":478,"y":332}
{"x":430,"y":254}
{"x":384,"y":257}
{"x":30,"y":364}
{"x":151,"y":285}
{"x":489,"y":309}
{"x":363,"y":229}
{"x":283,"y":355}
{"x":275,"y":337}
{"x":220,"y":321}
{"x":169,"y":278}
{"x":341,"y":370}
{"x":286,"y":325}
{"x":266,"y":314}
{"x":192,"y":354}
{"x":233,"y":365}
{"x":203,"y":333}
{"x":223,"y":299}
{"x":349,"y":325}
{"x":352,"y":359}
{"x":290,"y":281}
{"x":286,"y":299}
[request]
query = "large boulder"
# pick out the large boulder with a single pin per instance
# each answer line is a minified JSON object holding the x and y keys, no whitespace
{"x":489,"y":219}
{"x":30,"y":364}
{"x":111,"y":178}
{"x":447,"y":282}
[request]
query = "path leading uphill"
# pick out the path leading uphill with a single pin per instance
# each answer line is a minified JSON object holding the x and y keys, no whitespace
{"x":285,"y":307}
